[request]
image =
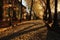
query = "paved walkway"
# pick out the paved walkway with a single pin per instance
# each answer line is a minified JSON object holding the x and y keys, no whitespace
{"x":22,"y":23}
{"x":30,"y":30}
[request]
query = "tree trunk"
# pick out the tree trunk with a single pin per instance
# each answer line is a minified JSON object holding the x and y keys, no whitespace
{"x":48,"y":12}
{"x":31,"y":9}
{"x":10,"y":22}
{"x":14,"y":15}
{"x":54,"y":34}
{"x":1,"y":10}
{"x":21,"y":12}
{"x":55,"y":25}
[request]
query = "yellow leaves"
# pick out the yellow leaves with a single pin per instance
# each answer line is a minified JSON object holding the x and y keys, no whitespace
{"x":28,"y":2}
{"x":38,"y":9}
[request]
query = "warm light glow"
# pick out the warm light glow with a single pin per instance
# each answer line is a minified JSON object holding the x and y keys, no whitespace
{"x":19,"y":0}
{"x":58,"y":6}
{"x":40,"y":7}
{"x":10,"y":5}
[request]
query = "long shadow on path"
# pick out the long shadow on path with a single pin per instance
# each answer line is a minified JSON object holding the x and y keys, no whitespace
{"x":21,"y":32}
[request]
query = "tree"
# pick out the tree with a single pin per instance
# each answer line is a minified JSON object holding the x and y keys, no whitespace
{"x":10,"y":22}
{"x":14,"y":15}
{"x":47,"y":12}
{"x":20,"y":6}
{"x":55,"y":25}
{"x":1,"y":10}
{"x":53,"y":34}
{"x":21,"y":12}
{"x":31,"y":9}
